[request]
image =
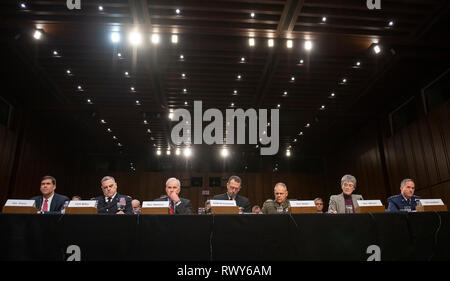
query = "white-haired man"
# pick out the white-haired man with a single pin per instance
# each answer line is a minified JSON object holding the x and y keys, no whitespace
{"x":177,"y":205}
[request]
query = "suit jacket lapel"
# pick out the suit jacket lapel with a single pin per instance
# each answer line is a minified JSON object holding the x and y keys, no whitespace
{"x":39,"y":203}
{"x":341,"y":203}
{"x":355,"y":201}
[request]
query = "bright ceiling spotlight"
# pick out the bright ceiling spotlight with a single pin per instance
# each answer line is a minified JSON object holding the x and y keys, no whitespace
{"x":308,"y":45}
{"x":135,"y":38}
{"x":155,"y":39}
{"x":37,"y":34}
{"x":251,"y":42}
{"x":174,"y":38}
{"x":187,"y":152}
{"x":224,"y":152}
{"x":115,"y":37}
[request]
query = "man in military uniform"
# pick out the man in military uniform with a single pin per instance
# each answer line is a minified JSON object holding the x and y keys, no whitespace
{"x":112,"y":202}
{"x":406,"y":200}
{"x":280,"y":205}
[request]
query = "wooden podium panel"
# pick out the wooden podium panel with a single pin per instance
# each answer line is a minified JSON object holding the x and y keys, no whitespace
{"x":370,"y":209}
{"x":19,"y":210}
{"x":155,"y":211}
{"x":303,"y":210}
{"x":438,"y":208}
{"x":81,"y":211}
{"x":225,"y":210}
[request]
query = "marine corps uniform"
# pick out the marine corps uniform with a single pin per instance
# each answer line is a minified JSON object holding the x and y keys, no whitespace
{"x":272,"y":207}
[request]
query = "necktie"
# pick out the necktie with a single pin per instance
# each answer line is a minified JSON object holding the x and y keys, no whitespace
{"x":109,"y":199}
{"x":45,"y":207}
{"x":172,"y":207}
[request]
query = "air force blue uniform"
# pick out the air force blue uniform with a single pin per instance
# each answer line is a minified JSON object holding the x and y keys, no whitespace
{"x":397,"y":203}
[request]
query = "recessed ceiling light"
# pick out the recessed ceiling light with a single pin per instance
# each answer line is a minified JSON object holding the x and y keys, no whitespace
{"x":114,"y":137}
{"x":242,"y":59}
{"x":23,"y":5}
{"x":119,"y":55}
{"x":239,"y":76}
{"x":322,"y":107}
{"x":289,"y":44}
{"x":155,"y":39}
{"x":301,"y":133}
{"x":285,"y":93}
{"x":251,"y":42}
{"x":324,"y":19}
{"x":119,"y":144}
{"x":183,"y":75}
{"x":288,"y":153}
{"x":308,"y":125}
{"x":278,"y":105}
{"x":100,"y":8}
{"x":391,"y":23}
{"x":37,"y":34}
{"x":149,"y":131}
{"x":55,"y":53}
{"x":232,"y":104}
{"x":109,"y":130}
{"x":135,"y":38}
{"x":224,"y":152}
{"x":138,"y":103}
{"x":126,"y":73}
{"x":80,"y":88}
{"x":174,"y":38}
{"x":158,"y":152}
{"x":145,"y":122}
{"x":181,"y":57}
{"x":177,"y":151}
{"x":132,"y":89}
{"x":301,"y":61}
{"x":171,"y":115}
{"x":344,"y":80}
{"x":252,"y":15}
{"x":68,"y":71}
{"x":358,"y":63}
{"x":235,"y":92}
{"x":270,"y":43}
{"x":178,"y":11}
{"x":185,"y":103}
{"x":103,"y":121}
{"x":115,"y":37}
{"x":295,"y":140}
{"x":89,"y":101}
{"x":292,"y":78}
{"x":168,"y":152}
{"x":308,"y":45}
{"x":377,"y":49}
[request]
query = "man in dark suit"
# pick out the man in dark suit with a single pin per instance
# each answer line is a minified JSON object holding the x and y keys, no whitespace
{"x":406,"y":200}
{"x":50,"y":202}
{"x":177,"y":205}
{"x":112,"y":202}
{"x":233,"y":188}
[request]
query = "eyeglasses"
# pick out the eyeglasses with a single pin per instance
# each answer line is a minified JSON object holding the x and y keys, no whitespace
{"x":348,"y":184}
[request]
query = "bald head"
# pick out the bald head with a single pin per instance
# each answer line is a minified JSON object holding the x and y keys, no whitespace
{"x":280,"y":191}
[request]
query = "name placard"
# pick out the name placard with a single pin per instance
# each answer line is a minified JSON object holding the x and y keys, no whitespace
{"x":20,"y":203}
{"x":369,"y":203}
{"x":302,"y":203}
{"x":155,"y":204}
{"x":82,"y":203}
{"x":222,"y":203}
{"x":431,"y":202}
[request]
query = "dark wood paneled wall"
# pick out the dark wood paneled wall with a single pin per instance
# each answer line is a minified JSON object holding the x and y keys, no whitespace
{"x":8,"y":142}
{"x":420,"y":151}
